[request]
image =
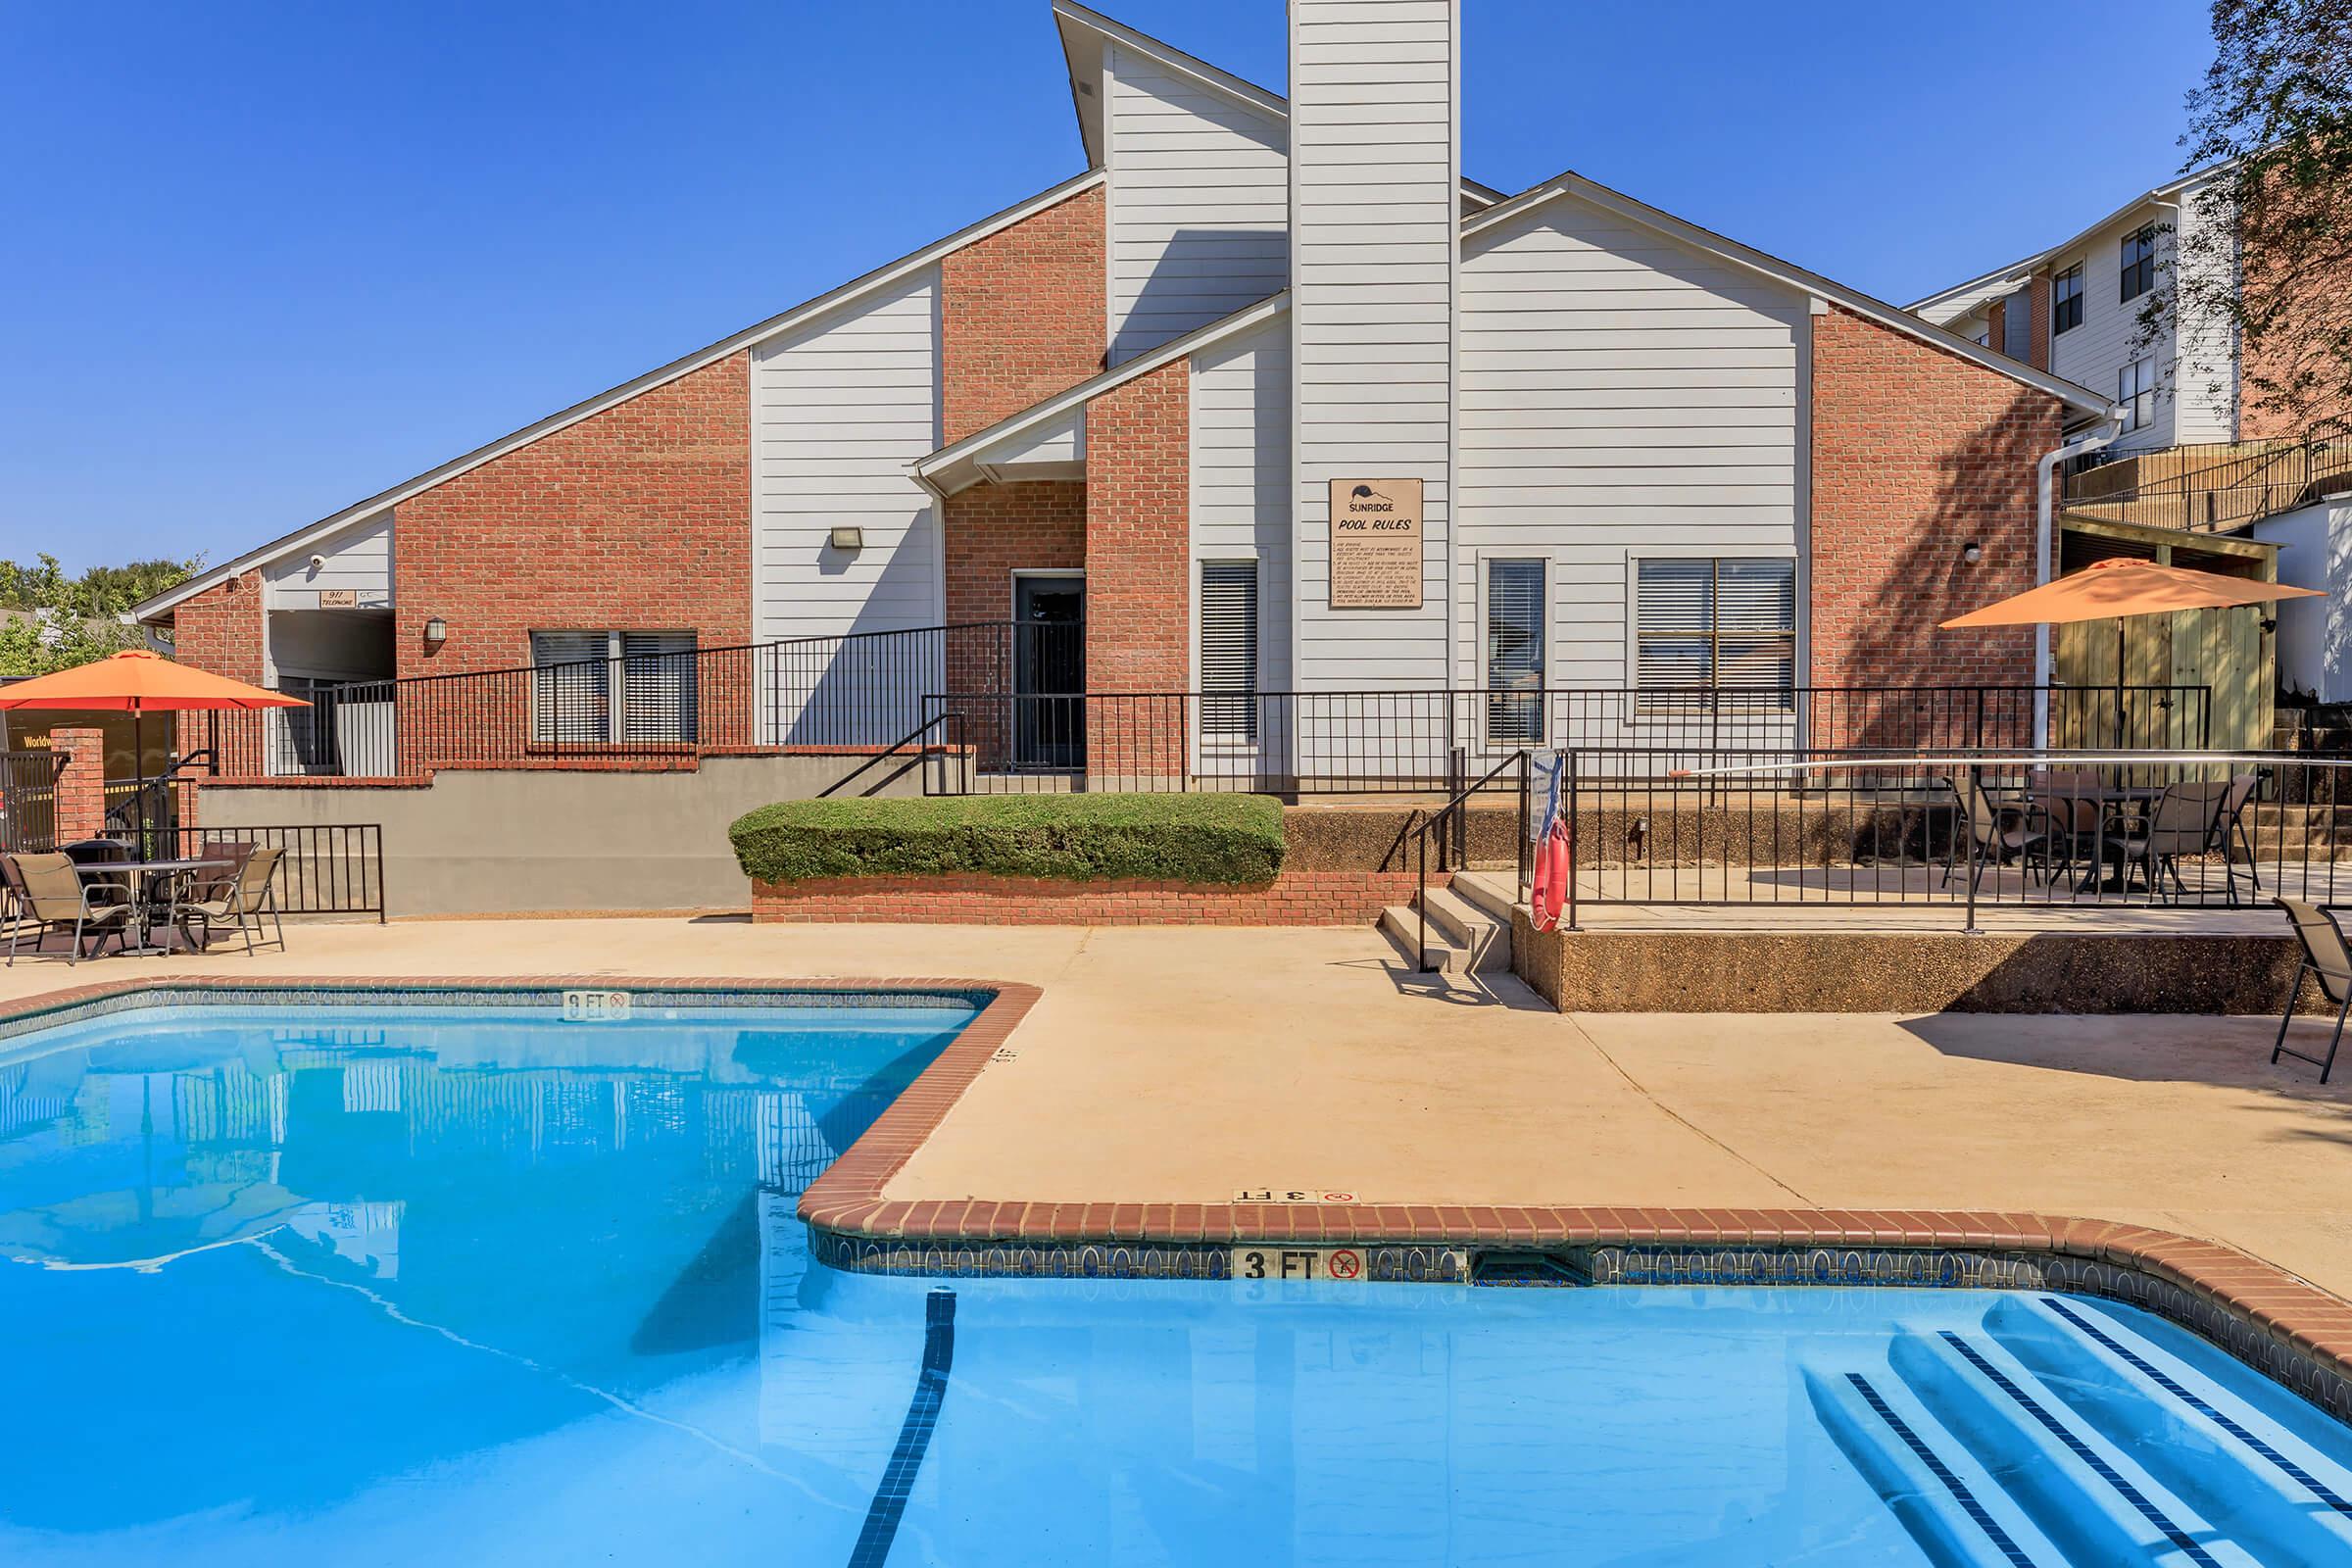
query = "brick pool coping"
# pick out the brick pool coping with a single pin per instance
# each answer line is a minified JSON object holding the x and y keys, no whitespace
{"x":2283,"y":1324}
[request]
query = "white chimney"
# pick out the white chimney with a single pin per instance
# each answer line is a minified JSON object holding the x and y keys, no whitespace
{"x":1375,"y":183}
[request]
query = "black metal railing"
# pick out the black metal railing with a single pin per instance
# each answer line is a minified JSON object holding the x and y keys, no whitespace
{"x":863,"y":689}
{"x":28,"y":799}
{"x":1967,"y":834}
{"x":324,"y":869}
{"x":1449,"y":825}
{"x":1424,"y":741}
{"x":2209,"y":488}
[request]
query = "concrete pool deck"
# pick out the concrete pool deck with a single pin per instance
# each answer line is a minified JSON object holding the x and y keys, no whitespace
{"x":1185,"y":1065}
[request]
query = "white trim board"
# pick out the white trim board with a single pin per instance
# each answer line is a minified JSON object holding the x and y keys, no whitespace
{"x":857,"y":288}
{"x":942,"y":470}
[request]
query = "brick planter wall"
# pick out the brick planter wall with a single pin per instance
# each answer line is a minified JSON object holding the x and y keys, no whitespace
{"x":1294,"y":898}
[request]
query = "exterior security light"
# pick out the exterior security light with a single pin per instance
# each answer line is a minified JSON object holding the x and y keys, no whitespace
{"x":848,"y":539}
{"x":436,"y":632}
{"x":1972,"y":551}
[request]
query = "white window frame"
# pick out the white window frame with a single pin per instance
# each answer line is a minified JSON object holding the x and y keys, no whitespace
{"x":1801,"y":637}
{"x":615,"y":661}
{"x":1228,"y":744}
{"x":2135,"y":393}
{"x":1485,"y":562}
{"x":2077,"y":271}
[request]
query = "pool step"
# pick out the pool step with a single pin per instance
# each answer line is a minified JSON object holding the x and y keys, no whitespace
{"x":2087,"y":1495}
{"x":2176,"y":1424}
{"x":1956,"y":1513}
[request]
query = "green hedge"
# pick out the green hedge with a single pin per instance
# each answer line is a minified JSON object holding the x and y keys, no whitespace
{"x":1213,"y":840}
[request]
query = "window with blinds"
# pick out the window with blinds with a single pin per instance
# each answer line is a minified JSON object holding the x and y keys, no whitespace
{"x":1704,"y":623}
{"x":1514,"y":652}
{"x":1229,"y":651}
{"x":602,"y":688}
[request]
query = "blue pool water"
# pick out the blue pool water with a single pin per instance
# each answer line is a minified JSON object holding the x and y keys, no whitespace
{"x":482,"y":1287}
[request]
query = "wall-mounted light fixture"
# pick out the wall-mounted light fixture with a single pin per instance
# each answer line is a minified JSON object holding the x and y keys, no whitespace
{"x":847,"y":539}
{"x":436,"y":632}
{"x":1972,"y":551}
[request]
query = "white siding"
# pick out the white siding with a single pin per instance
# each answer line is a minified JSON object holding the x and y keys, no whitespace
{"x":1241,"y":460}
{"x":1619,"y":393}
{"x":1375,"y":184}
{"x":839,"y":409}
{"x":1198,"y":203}
{"x":359,"y":558}
{"x":2205,"y":385}
{"x":2092,"y":353}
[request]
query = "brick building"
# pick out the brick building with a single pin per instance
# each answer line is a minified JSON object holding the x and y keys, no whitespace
{"x":1070,"y":472}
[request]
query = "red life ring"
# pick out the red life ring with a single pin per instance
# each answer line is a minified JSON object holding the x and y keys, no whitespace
{"x":1554,"y":865}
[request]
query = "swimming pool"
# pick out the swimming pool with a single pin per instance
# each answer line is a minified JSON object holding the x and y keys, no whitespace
{"x":364,"y":1285}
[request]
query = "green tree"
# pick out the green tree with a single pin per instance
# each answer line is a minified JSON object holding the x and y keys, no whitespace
{"x":2267,"y":256}
{"x":49,"y":620}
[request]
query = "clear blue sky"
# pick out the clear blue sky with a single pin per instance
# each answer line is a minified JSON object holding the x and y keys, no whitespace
{"x":258,"y":260}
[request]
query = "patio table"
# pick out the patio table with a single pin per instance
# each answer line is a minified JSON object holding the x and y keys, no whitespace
{"x":2137,"y":795}
{"x":144,"y":874}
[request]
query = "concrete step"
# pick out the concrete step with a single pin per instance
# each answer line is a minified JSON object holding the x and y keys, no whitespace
{"x":1471,"y":928}
{"x":1402,"y":926}
{"x":1490,"y":893}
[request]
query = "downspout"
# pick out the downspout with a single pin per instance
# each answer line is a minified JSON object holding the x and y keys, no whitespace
{"x":2045,"y":470}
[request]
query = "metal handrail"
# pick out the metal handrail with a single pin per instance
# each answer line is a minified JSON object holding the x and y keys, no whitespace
{"x":1430,"y":821}
{"x":951,"y":720}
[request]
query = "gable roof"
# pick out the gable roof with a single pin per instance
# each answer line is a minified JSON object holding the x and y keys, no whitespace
{"x":956,"y":466}
{"x":808,"y":310}
{"x":1961,"y":298}
{"x":1084,"y":32}
{"x":1572,"y":185}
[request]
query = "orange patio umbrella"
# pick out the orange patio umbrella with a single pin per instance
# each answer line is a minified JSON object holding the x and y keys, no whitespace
{"x":2118,"y":590}
{"x":137,"y":682}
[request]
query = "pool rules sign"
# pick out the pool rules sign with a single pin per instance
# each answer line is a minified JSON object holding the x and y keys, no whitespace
{"x":1376,"y":543}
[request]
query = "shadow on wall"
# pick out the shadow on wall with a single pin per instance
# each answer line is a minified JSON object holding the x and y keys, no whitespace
{"x":1890,"y":608}
{"x":1203,"y":274}
{"x":860,"y":689}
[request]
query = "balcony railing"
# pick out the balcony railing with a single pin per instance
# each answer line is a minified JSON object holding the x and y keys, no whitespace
{"x":2210,"y":488}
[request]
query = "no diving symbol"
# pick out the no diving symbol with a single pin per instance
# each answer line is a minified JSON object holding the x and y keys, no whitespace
{"x":1346,"y":1265}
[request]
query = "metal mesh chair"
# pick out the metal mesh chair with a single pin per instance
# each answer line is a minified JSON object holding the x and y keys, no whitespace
{"x":241,"y":900}
{"x":2326,"y":956}
{"x":51,"y":896}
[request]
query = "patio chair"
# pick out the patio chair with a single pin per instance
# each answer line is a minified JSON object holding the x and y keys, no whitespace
{"x":2182,"y":822}
{"x":241,"y":900}
{"x":53,"y":897}
{"x":1999,"y":832}
{"x":2230,"y":832}
{"x":109,"y":889}
{"x":207,"y":887}
{"x":2071,"y":796}
{"x":2324,"y":954}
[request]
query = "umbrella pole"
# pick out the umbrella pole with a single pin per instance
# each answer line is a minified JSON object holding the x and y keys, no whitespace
{"x":2119,"y":684}
{"x":138,"y":768}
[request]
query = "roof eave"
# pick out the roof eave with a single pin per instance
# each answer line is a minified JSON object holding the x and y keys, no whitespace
{"x":150,"y":610}
{"x":1572,"y":185}
{"x":956,"y":466}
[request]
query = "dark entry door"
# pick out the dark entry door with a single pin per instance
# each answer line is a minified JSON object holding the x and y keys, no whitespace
{"x":1048,"y":673}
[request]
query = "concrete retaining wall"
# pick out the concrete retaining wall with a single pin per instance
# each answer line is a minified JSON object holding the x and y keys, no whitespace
{"x":1858,"y":971}
{"x":554,"y":841}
